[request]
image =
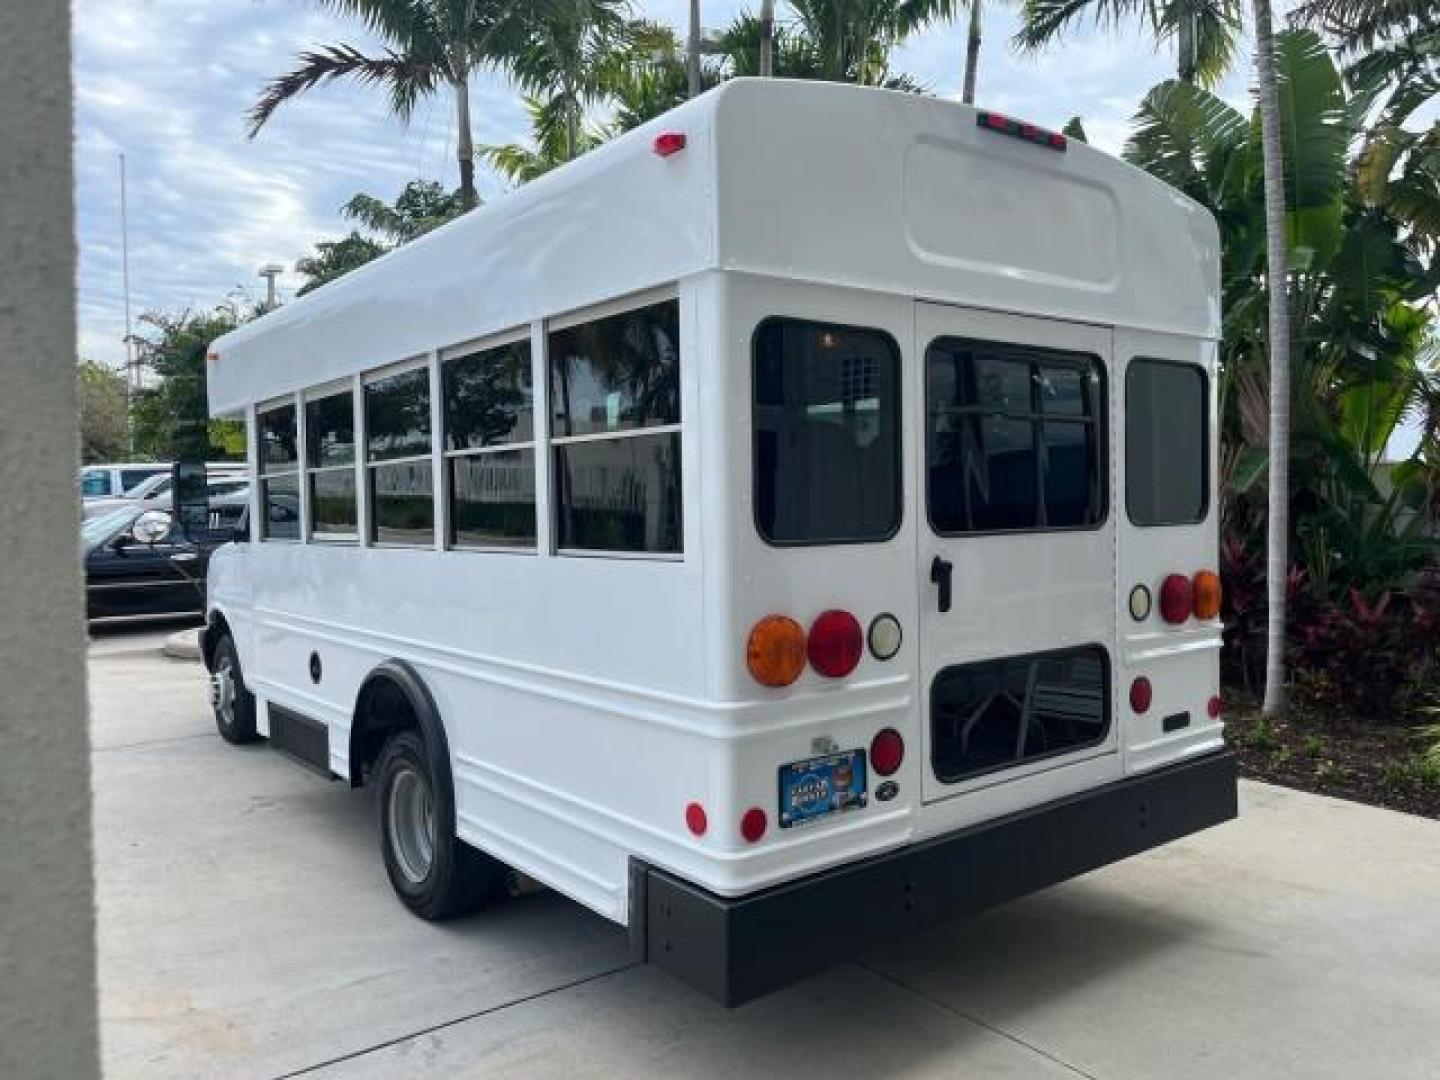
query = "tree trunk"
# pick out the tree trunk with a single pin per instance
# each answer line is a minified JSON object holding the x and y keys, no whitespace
{"x":1277,"y":561}
{"x":692,"y":51}
{"x":465,"y":142}
{"x":1185,"y":44}
{"x":767,"y":38}
{"x":972,"y":54}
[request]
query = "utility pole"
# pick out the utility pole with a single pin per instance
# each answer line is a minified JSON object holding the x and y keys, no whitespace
{"x":132,"y":366}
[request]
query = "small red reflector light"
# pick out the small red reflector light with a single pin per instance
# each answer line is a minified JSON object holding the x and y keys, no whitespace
{"x":1141,"y":694}
{"x":669,"y":142}
{"x":887,"y":751}
{"x":835,"y":643}
{"x":695,"y":819}
{"x":752,"y":824}
{"x":1175,"y":599}
{"x":1215,"y":707}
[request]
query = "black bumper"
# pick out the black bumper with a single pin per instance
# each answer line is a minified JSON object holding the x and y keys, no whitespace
{"x":738,"y":949}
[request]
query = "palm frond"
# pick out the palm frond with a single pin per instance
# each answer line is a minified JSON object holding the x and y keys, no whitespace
{"x":1043,"y":21}
{"x":407,"y":79}
{"x":1359,"y":24}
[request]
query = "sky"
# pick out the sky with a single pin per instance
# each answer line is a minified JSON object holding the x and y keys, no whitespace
{"x":167,"y":83}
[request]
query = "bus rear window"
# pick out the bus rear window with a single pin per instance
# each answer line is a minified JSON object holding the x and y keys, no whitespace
{"x":1165,"y":443}
{"x":827,"y":433}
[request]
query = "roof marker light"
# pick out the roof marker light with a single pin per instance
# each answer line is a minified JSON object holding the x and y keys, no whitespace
{"x":1030,"y":133}
{"x":669,"y":142}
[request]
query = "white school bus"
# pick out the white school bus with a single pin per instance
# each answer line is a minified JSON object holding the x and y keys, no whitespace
{"x":788,"y":525}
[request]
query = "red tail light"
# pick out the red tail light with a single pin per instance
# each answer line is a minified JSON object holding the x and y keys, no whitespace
{"x":1215,"y":707}
{"x":752,"y":824}
{"x":835,"y":643}
{"x":1175,"y":599}
{"x":1141,"y":694}
{"x":887,"y":751}
{"x":695,"y":819}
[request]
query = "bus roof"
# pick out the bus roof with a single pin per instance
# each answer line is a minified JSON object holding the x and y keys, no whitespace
{"x":821,"y":182}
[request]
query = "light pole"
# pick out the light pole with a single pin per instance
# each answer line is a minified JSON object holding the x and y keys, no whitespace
{"x":270,"y":271}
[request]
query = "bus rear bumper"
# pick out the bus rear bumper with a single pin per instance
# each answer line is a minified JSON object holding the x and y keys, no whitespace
{"x":736,"y":949}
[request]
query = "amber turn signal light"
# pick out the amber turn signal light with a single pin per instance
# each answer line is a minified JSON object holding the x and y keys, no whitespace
{"x":775,"y":653}
{"x":1205,"y":593}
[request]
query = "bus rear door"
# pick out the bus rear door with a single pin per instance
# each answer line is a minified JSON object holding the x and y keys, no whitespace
{"x":1016,"y":558}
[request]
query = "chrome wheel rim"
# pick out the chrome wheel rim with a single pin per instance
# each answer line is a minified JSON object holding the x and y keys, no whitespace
{"x":410,"y":821}
{"x":222,"y":691}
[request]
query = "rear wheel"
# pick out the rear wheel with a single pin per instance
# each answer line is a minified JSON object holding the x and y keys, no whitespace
{"x":234,"y":706}
{"x":435,"y":874}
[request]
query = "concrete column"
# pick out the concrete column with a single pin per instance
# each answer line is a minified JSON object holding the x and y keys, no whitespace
{"x":47,"y":924}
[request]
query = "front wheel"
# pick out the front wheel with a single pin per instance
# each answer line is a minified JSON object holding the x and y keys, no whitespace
{"x":435,"y":874}
{"x":233,"y":705}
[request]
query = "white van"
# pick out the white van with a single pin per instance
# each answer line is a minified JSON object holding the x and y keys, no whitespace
{"x":789,"y":524}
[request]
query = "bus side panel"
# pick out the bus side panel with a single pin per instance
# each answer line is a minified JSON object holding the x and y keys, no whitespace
{"x":1182,"y":662}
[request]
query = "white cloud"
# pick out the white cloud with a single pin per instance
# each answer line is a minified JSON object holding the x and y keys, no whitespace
{"x":168,"y":82}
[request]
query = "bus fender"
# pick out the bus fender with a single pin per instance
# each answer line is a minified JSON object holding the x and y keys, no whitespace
{"x":376,"y":718}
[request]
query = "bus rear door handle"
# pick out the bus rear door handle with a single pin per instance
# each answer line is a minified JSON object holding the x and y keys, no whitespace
{"x":940,"y":571}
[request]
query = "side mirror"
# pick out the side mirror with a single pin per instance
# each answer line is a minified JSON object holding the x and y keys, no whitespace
{"x":152,"y":527}
{"x":190,"y":495}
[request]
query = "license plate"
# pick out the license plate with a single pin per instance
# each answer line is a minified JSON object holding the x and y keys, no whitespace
{"x":821,"y":786}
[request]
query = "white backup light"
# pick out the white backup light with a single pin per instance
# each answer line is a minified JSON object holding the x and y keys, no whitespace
{"x":884,"y":636}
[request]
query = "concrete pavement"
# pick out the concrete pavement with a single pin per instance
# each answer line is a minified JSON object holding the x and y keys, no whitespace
{"x":247,"y":929}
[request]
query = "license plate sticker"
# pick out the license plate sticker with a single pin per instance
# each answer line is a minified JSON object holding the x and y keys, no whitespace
{"x":819,"y":787}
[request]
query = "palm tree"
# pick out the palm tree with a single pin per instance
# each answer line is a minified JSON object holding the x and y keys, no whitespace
{"x":1361,"y":23}
{"x":1205,"y":31}
{"x":520,"y":164}
{"x":853,"y":38}
{"x":428,"y":44}
{"x":570,"y":55}
{"x":767,"y":38}
{"x":972,"y":53}
{"x":1277,"y":539}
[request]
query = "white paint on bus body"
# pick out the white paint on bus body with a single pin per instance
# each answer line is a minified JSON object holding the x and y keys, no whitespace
{"x":589,"y":699}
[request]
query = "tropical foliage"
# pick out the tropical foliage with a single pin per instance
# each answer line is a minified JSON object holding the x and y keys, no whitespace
{"x":1204,"y":32}
{"x":1362,"y":267}
{"x":420,"y":207}
{"x":170,"y":417}
{"x":428,"y":44}
{"x":104,"y":406}
{"x":1355,"y":213}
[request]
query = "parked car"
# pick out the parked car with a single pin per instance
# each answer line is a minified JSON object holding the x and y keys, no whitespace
{"x":107,"y":481}
{"x":139,"y":562}
{"x":154,"y":493}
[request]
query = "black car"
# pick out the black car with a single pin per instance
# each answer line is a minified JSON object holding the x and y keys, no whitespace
{"x":149,"y":567}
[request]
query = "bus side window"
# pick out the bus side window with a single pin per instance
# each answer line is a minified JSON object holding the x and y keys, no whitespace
{"x":397,"y":458}
{"x":1166,"y":451}
{"x":618,"y":377}
{"x":279,"y":472}
{"x":489,"y":410}
{"x":330,"y":472}
{"x":827,"y":433}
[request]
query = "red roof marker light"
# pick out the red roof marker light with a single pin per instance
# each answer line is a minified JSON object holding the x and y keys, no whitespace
{"x":669,"y":142}
{"x":1027,"y":132}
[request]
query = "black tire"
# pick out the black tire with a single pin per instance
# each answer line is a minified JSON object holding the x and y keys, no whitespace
{"x":236,"y":723}
{"x":455,"y":878}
